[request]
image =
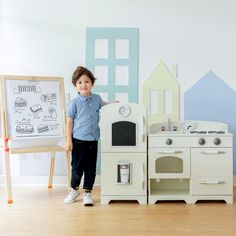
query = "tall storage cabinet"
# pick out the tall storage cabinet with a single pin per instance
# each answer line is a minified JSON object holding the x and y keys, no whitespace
{"x":123,"y":153}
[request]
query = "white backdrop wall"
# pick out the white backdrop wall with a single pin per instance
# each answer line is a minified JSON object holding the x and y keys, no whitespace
{"x":1,"y":34}
{"x":47,"y":37}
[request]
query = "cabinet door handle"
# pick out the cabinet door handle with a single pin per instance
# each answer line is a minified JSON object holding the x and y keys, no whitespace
{"x":212,"y":182}
{"x":143,"y":134}
{"x":213,"y":152}
{"x":143,"y":176}
{"x":169,"y":152}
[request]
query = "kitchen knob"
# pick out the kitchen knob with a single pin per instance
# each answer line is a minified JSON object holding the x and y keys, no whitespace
{"x":201,"y":141}
{"x":168,"y":141}
{"x":216,"y":141}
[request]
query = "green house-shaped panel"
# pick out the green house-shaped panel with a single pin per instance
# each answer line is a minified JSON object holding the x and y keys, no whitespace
{"x":161,"y":95}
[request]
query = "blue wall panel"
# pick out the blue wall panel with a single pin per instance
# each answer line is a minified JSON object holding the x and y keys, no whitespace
{"x":212,"y":99}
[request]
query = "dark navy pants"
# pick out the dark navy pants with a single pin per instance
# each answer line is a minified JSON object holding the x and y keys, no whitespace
{"x":84,"y":160}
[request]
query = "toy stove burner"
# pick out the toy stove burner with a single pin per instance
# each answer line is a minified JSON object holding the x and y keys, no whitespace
{"x":207,"y":132}
{"x":198,"y":132}
{"x":216,"y":132}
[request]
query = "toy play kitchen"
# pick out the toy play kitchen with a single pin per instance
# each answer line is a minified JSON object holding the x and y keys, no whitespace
{"x":189,"y":160}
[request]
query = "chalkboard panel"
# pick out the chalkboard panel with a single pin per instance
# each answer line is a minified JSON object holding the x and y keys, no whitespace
{"x":35,"y":109}
{"x":123,"y":133}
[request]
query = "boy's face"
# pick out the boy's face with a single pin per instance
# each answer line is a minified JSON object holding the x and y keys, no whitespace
{"x":84,"y":85}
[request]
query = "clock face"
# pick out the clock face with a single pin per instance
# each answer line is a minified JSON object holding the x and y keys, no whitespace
{"x":124,"y":110}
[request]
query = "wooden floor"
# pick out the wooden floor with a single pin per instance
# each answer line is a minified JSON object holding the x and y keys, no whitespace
{"x":40,"y":211}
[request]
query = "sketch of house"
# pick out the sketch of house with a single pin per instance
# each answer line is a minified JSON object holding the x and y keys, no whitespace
{"x":161,"y":94}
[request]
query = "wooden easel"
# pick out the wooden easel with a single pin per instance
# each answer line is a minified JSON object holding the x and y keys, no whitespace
{"x":7,"y":150}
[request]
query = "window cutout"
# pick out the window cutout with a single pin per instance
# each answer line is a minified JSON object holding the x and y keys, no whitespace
{"x":122,"y":97}
{"x":104,"y":96}
{"x":122,"y":48}
{"x":168,"y":101}
{"x":101,"y":75}
{"x":122,"y":75}
{"x":153,"y":101}
{"x":101,"y":48}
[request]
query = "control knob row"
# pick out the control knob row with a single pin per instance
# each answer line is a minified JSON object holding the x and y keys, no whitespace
{"x":202,"y":141}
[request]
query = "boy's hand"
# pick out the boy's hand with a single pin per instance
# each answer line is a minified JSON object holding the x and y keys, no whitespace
{"x":68,"y":146}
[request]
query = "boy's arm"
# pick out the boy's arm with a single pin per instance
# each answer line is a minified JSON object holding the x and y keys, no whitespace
{"x":105,"y":103}
{"x":69,"y":127}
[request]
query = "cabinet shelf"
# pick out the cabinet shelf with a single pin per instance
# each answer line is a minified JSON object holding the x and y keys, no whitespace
{"x":169,"y":192}
{"x":169,"y":187}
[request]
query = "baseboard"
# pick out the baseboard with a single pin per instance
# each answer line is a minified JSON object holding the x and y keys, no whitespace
{"x":40,"y":181}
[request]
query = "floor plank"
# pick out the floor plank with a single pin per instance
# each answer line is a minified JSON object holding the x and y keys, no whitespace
{"x":40,"y":211}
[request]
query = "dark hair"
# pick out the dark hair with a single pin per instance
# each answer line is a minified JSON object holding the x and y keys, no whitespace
{"x":80,"y":70}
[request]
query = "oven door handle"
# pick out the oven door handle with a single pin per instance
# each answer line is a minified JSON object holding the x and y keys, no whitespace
{"x":169,"y":152}
{"x":212,"y":182}
{"x":212,"y":152}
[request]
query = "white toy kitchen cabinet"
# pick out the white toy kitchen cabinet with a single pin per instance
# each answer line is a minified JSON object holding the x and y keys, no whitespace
{"x":123,"y":153}
{"x":190,"y":161}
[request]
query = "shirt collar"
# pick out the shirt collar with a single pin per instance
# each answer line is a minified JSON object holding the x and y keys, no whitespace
{"x":85,"y":98}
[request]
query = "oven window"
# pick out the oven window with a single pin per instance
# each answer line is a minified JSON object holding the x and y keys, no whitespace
{"x":123,"y":133}
{"x":169,"y":164}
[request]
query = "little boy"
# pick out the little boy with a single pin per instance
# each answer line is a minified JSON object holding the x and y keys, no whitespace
{"x":82,"y":134}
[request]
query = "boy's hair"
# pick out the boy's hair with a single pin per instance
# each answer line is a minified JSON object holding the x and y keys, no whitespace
{"x":80,"y":70}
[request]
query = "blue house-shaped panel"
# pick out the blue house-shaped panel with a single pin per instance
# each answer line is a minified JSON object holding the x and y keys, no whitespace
{"x":111,"y":61}
{"x":212,"y":99}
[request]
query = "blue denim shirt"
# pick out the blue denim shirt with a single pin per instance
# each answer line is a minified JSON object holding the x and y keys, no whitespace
{"x":85,"y":113}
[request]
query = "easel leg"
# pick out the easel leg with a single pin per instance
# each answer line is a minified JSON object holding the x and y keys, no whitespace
{"x":68,"y":169}
{"x":52,"y":162}
{"x":8,"y":175}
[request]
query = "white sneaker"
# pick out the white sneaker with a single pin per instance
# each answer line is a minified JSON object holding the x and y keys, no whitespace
{"x":71,"y":197}
{"x":87,"y":199}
